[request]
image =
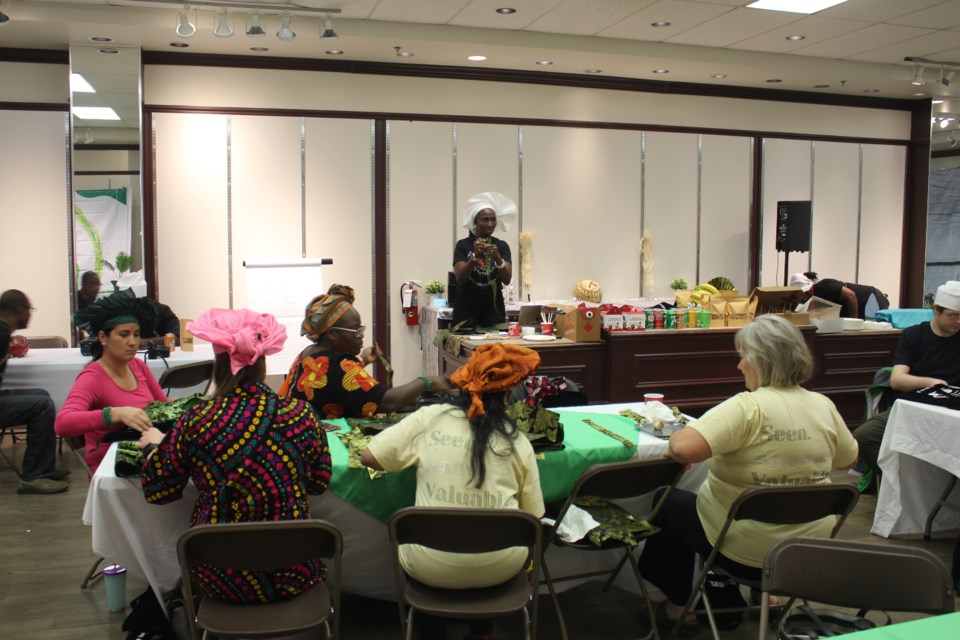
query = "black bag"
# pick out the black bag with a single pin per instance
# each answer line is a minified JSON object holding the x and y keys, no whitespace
{"x":805,"y":623}
{"x":724,"y":593}
{"x":146,"y":620}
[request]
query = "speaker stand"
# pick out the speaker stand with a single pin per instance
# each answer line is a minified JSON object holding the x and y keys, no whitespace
{"x":786,"y":268}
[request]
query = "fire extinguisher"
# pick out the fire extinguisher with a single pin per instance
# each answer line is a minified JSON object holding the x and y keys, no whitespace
{"x":411,"y":308}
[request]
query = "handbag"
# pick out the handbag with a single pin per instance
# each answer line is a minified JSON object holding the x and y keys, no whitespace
{"x":724,"y":593}
{"x":806,"y":623}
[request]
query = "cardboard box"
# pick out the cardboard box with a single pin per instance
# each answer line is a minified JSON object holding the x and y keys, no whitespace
{"x":186,"y":338}
{"x":820,"y":309}
{"x":612,"y":321}
{"x":797,"y":318}
{"x":777,"y":299}
{"x":580,"y":324}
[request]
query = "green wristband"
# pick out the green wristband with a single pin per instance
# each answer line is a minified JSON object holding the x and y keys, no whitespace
{"x":427,"y":383}
{"x":106,"y":416}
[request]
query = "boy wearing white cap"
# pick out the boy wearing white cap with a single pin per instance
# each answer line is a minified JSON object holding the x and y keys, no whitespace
{"x":927,"y":354}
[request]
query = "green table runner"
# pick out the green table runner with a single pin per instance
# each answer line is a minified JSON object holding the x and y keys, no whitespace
{"x":583,"y":446}
{"x":932,"y":628}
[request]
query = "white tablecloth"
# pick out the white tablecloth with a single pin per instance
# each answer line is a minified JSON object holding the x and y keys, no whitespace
{"x":921,"y":448}
{"x":56,"y":369}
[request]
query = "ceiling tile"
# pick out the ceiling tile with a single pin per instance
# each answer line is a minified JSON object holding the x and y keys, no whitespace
{"x":932,"y":45}
{"x":876,"y":10}
{"x":483,"y":13}
{"x":424,"y":11}
{"x":681,"y":14}
{"x":735,"y":26}
{"x":815,"y":28}
{"x":862,"y":41}
{"x":586,"y":17}
{"x":941,"y":16}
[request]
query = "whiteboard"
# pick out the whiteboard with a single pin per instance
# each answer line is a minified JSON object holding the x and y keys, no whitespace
{"x":283,"y":289}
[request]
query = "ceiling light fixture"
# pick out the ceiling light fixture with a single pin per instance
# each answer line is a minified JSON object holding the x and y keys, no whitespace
{"x":254,"y":29}
{"x":593,"y":71}
{"x":918,"y":76}
{"x":109,"y":52}
{"x":401,"y":53}
{"x":95,"y":113}
{"x":285,"y":32}
{"x":476,"y":58}
{"x":333,"y":52}
{"x":938,"y":101}
{"x":544,"y":63}
{"x":506,"y":11}
{"x":259,"y":49}
{"x":660,"y":23}
{"x":223,"y":29}
{"x":796,"y":38}
{"x":719,"y":76}
{"x":945,"y":77}
{"x":661,"y":71}
{"x":327,"y":32}
{"x":179,"y":45}
{"x":871,"y":90}
{"x":100,"y":39}
{"x":79,"y":84}
{"x":774,"y":80}
{"x":4,"y":19}
{"x":821,"y":86}
{"x":185,"y":28}
{"x":795,"y":6}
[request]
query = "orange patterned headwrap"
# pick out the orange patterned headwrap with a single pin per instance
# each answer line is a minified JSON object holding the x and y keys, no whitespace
{"x":324,"y":311}
{"x":493,"y":367}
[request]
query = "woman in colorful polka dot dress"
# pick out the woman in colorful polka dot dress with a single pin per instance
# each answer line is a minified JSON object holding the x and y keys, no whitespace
{"x":253,"y":455}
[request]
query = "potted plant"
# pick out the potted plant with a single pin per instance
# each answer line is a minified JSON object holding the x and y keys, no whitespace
{"x":435,"y":289}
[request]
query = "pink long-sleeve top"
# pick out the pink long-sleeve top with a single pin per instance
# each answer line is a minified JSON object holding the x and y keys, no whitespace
{"x":94,"y":389}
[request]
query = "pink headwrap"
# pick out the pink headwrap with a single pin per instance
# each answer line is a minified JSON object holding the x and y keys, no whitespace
{"x":246,"y":335}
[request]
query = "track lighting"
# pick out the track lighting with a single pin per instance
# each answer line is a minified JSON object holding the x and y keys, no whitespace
{"x":945,"y":77}
{"x":286,"y":33}
{"x":185,"y":28}
{"x":254,"y":30}
{"x":223,"y":28}
{"x":327,"y":32}
{"x":918,"y":76}
{"x":4,"y":19}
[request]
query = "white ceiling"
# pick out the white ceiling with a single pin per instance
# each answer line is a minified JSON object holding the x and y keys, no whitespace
{"x":855,"y":48}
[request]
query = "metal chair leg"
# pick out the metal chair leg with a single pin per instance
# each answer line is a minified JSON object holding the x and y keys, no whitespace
{"x":553,"y":596}
{"x":936,"y":508}
{"x":93,"y":575}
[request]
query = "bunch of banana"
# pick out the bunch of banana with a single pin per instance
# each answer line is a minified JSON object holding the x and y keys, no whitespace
{"x":703,"y":289}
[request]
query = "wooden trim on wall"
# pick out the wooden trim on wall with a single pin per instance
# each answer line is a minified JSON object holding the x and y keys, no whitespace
{"x":381,"y":240}
{"x":35,"y":106}
{"x":106,"y":147}
{"x":756,"y":215}
{"x":107,"y":173}
{"x":147,"y":203}
{"x":914,"y":243}
{"x":523,"y":77}
{"x":40,"y":56}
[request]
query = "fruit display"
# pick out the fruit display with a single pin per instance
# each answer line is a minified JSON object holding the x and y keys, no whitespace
{"x":722,"y":283}
{"x":703,"y":289}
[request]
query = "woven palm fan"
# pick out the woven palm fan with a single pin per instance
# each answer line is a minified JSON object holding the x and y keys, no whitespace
{"x":588,"y":291}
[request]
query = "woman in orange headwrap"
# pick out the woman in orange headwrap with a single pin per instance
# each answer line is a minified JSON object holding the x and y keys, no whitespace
{"x":468,"y":453}
{"x":328,"y":374}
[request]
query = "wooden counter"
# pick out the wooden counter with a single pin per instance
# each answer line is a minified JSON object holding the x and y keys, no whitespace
{"x":696,"y":369}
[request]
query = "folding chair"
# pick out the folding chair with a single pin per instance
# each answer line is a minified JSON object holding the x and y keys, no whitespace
{"x":47,"y":342}
{"x":185,"y":376}
{"x":259,"y":546}
{"x":861,"y":575}
{"x":792,"y":504}
{"x":614,"y":481}
{"x":461,"y":530}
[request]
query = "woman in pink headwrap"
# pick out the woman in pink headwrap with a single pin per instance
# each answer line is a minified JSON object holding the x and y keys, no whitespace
{"x":253,"y":455}
{"x":328,"y":373}
{"x":467,"y":453}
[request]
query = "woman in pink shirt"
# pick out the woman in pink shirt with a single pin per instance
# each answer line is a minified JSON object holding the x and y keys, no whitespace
{"x":111,"y":391}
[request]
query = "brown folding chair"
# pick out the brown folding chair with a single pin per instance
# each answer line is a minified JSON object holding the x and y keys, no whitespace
{"x":461,"y":530}
{"x":615,"y":481}
{"x":185,"y":376}
{"x":260,"y":546}
{"x":862,"y":575}
{"x":18,"y":432}
{"x":789,"y":505}
{"x":47,"y":342}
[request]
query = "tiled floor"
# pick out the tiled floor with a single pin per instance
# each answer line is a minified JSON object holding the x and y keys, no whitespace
{"x":45,"y":552}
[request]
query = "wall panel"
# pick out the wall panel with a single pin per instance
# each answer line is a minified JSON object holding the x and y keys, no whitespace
{"x":582,"y":204}
{"x":880,"y":232}
{"x":836,"y":200}
{"x":786,"y":176}
{"x":670,"y":207}
{"x":725,"y":192}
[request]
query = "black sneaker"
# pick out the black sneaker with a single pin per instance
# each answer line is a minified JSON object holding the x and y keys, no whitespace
{"x":42,"y":486}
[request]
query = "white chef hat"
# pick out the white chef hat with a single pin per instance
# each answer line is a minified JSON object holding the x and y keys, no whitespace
{"x":504,"y":207}
{"x":948,"y":295}
{"x":802,"y":281}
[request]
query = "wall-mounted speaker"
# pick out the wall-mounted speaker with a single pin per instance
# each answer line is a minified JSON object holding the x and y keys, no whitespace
{"x":793,"y":225}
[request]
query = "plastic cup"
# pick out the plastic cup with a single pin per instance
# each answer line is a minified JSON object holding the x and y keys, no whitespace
{"x":546,"y":328}
{"x":115,"y":582}
{"x":653,"y":397}
{"x":527,"y":331}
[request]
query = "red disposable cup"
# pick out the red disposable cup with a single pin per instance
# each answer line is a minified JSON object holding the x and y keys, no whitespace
{"x":653,"y":397}
{"x":546,"y":328}
{"x":514,"y":330}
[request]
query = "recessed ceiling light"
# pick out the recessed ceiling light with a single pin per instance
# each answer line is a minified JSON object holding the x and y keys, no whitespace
{"x":179,"y":45}
{"x":259,"y":49}
{"x":660,"y":23}
{"x":921,"y":94}
{"x":871,"y":90}
{"x":476,"y":58}
{"x":593,"y":71}
{"x":405,"y":54}
{"x":100,"y":39}
{"x":506,"y":10}
{"x":821,"y":86}
{"x":796,"y":38}
{"x":109,"y":52}
{"x":333,"y":52}
{"x":661,"y":70}
{"x":937,"y":101}
{"x":544,"y":63}
{"x":774,"y":80}
{"x":718,"y":76}
{"x":794,"y":6}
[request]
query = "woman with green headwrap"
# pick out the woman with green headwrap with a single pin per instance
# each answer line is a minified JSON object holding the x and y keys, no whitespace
{"x":111,"y":391}
{"x":329,"y":375}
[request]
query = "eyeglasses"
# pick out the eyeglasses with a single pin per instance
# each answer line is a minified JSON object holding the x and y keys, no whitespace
{"x":952,"y":317}
{"x":358,"y":332}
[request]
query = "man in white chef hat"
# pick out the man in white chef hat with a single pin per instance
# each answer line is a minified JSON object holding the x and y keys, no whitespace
{"x":927,"y":354}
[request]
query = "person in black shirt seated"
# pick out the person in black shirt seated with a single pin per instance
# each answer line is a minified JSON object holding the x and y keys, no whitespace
{"x":851,"y":296}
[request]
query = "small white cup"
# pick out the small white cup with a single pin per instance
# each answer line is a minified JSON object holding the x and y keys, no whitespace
{"x":527,"y":331}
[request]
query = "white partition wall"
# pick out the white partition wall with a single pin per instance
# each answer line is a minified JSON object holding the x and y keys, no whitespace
{"x":34,"y":206}
{"x":726,"y":164}
{"x":582,"y":191}
{"x":786,"y":176}
{"x":419,"y":223}
{"x":835,"y":212}
{"x":670,"y":207}
{"x":881,"y":250}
